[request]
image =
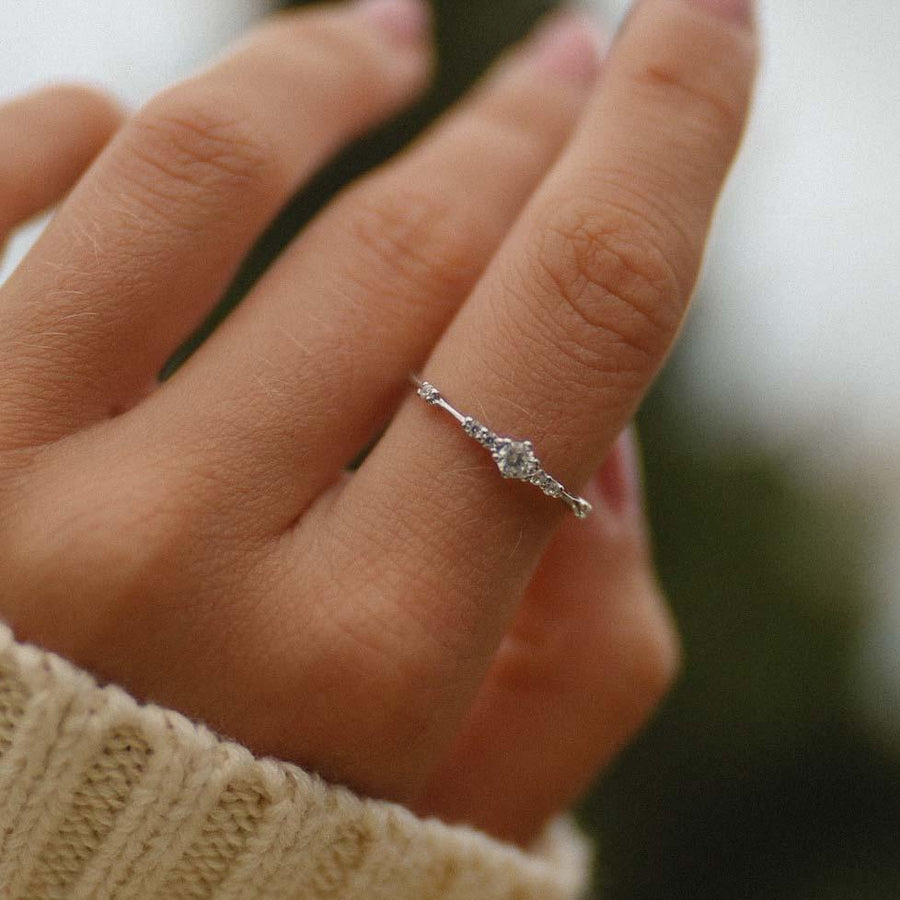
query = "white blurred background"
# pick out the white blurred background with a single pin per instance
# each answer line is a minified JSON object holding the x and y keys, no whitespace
{"x":796,"y":338}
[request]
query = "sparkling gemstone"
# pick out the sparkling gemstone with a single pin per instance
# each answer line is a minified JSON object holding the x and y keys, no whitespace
{"x":582,"y":508}
{"x":553,"y":488}
{"x":429,"y":393}
{"x":515,"y":459}
{"x":472,"y":427}
{"x":547,"y":483}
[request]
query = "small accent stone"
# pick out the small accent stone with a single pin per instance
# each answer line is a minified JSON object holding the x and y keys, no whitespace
{"x":582,"y":509}
{"x":481,"y":433}
{"x":554,"y":489}
{"x":429,"y":393}
{"x":549,"y":485}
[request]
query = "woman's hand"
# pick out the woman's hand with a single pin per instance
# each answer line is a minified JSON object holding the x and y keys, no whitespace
{"x":421,"y":630}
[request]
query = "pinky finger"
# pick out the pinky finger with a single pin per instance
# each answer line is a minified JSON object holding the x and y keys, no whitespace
{"x":47,"y":139}
{"x":589,"y":656}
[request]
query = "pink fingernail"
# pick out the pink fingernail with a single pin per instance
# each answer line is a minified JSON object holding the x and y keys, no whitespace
{"x":569,"y":45}
{"x":619,"y":478}
{"x":406,"y":21}
{"x":737,"y":10}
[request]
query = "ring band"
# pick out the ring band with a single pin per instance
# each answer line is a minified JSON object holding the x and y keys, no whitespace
{"x":514,"y":458}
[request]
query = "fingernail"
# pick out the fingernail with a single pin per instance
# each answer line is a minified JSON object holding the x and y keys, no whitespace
{"x":406,"y":21}
{"x":619,"y":478}
{"x":568,"y":45}
{"x":737,"y":10}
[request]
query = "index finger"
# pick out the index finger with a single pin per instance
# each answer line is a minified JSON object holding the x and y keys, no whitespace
{"x":47,"y":139}
{"x":572,"y":320}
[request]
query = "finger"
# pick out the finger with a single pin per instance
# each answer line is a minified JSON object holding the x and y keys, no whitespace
{"x":151,"y":238}
{"x":363,"y":294}
{"x":47,"y":139}
{"x":565,"y":331}
{"x":557,"y":343}
{"x":588,"y":657}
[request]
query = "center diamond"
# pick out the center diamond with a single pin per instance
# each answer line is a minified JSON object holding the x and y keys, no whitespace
{"x":516,"y":459}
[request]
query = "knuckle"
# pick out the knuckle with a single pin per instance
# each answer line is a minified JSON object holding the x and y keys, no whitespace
{"x":691,"y":72}
{"x":712,"y":102}
{"x":695,"y":71}
{"x":609,"y":283}
{"x":69,"y":540}
{"x":422,"y":236}
{"x":38,"y":543}
{"x":191,"y":138}
{"x":72,"y":535}
{"x":516,"y":129}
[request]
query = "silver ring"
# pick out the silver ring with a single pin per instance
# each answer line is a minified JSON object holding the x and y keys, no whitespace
{"x":514,"y":458}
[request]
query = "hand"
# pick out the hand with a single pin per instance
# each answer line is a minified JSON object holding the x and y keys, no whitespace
{"x":421,"y":630}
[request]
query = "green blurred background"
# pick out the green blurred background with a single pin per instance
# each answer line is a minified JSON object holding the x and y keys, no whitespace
{"x":754,"y":781}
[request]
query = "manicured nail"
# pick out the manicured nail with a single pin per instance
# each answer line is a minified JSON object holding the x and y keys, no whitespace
{"x":570,"y":46}
{"x":406,"y":21}
{"x":737,"y":10}
{"x":619,"y":478}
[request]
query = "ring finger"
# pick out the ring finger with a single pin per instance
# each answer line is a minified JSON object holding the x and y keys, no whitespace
{"x":562,"y":335}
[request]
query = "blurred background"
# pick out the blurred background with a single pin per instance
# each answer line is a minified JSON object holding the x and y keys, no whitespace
{"x":772,"y":443}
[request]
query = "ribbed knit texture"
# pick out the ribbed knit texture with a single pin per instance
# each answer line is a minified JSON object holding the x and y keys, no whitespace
{"x":105,"y":799}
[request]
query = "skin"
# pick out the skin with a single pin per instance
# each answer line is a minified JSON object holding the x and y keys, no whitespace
{"x":421,"y":630}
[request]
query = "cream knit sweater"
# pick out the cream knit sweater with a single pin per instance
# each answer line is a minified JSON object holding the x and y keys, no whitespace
{"x":104,"y":799}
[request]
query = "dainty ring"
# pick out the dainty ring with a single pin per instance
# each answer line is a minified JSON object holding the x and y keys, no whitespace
{"x":514,"y":458}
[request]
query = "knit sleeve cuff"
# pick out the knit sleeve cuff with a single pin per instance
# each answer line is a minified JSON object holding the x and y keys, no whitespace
{"x":102,"y":797}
